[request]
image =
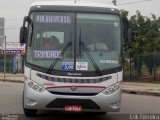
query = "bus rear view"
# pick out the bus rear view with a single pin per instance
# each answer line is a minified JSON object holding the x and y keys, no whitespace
{"x":73,"y":57}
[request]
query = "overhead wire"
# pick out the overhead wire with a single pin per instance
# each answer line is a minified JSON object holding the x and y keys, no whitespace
{"x":132,"y":2}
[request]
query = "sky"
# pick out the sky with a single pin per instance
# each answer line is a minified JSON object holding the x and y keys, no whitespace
{"x":14,"y":10}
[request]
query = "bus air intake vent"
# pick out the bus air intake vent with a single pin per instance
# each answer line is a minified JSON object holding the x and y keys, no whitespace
{"x":74,"y":94}
{"x":69,"y":80}
{"x":62,"y":102}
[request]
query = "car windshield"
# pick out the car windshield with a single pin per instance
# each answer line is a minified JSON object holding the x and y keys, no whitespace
{"x":74,"y":41}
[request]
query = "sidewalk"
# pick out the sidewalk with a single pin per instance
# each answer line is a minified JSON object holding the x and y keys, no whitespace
{"x":12,"y":78}
{"x":128,"y":87}
{"x":141,"y":88}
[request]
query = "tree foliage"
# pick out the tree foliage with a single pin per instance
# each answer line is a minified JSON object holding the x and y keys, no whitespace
{"x":146,"y":33}
{"x":146,"y":40}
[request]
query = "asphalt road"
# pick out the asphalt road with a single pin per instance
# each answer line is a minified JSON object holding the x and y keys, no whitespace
{"x":11,"y":103}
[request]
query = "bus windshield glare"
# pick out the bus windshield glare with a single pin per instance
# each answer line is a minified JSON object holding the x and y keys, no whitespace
{"x":74,"y":41}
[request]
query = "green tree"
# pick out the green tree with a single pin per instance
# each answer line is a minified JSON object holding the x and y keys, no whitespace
{"x":146,"y":39}
{"x":146,"y":34}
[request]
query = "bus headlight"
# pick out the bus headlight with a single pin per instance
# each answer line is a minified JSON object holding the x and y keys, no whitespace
{"x":35,"y":86}
{"x":112,"y":89}
{"x":30,"y":84}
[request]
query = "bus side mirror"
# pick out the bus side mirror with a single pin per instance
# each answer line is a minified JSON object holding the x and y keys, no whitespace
{"x":23,"y":35}
{"x":127,"y":32}
{"x":24,"y":31}
{"x":129,"y":36}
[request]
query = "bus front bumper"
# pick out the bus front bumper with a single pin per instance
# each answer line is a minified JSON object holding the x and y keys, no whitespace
{"x":48,"y":101}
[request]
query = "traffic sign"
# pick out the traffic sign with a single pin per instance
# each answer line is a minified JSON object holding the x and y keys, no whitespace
{"x":13,"y":48}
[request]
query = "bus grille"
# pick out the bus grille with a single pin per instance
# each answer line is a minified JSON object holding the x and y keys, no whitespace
{"x":74,"y":94}
{"x":85,"y":103}
{"x":73,"y":80}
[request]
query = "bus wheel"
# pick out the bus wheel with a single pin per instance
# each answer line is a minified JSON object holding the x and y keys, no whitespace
{"x":100,"y":113}
{"x":29,"y":112}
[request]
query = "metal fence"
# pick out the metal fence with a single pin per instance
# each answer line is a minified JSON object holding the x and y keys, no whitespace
{"x":143,"y":67}
{"x":14,"y":69}
{"x":12,"y":65}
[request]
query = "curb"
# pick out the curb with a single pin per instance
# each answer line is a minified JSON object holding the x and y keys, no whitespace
{"x":14,"y":81}
{"x":135,"y":92}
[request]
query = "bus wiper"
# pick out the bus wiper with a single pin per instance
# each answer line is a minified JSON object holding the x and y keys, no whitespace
{"x":90,"y":57}
{"x":81,"y":43}
{"x":58,"y":58}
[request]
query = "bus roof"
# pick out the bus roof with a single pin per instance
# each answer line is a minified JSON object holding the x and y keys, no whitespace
{"x":73,"y":3}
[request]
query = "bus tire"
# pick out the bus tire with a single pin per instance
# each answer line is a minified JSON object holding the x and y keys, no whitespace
{"x":100,"y":113}
{"x":29,"y":112}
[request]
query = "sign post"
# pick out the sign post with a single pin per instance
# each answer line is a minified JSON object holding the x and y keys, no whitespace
{"x":5,"y":59}
{"x":4,"y":69}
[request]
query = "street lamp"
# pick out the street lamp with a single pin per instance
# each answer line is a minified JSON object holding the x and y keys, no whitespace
{"x":4,"y":40}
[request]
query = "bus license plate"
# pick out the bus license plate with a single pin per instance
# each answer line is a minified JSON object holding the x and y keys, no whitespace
{"x":71,"y":108}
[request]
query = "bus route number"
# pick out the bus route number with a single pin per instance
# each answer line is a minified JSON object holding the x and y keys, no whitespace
{"x":67,"y":66}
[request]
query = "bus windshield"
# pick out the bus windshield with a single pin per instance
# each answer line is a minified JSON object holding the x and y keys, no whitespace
{"x":74,"y":41}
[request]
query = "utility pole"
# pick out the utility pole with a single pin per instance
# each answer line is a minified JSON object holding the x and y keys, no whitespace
{"x":4,"y":52}
{"x":4,"y":57}
{"x":114,"y":2}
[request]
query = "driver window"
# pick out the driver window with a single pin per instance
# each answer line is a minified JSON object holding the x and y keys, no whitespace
{"x":50,"y":40}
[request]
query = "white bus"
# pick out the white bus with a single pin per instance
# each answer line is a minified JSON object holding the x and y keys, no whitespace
{"x":73,"y":57}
